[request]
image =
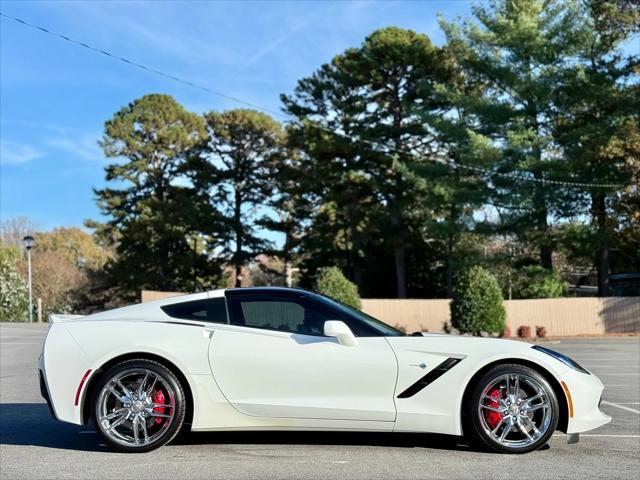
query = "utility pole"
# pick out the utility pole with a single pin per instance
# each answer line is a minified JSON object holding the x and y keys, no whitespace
{"x":29,"y":242}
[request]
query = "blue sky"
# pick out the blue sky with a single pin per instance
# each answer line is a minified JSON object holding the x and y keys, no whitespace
{"x":55,"y":97}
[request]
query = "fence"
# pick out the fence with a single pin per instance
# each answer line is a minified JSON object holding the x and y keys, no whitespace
{"x":560,"y":316}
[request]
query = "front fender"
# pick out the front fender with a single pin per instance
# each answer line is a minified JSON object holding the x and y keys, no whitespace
{"x":437,"y":408}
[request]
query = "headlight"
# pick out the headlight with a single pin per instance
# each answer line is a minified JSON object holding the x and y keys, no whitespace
{"x":561,"y":357}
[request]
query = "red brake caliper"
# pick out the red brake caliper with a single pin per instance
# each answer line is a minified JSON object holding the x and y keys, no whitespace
{"x":158,"y":398}
{"x":493,"y":418}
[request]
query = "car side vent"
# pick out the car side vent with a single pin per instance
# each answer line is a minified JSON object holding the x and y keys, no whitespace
{"x":430,"y":377}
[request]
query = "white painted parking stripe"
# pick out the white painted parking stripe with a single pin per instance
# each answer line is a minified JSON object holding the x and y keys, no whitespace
{"x":609,"y":366}
{"x":595,"y":354}
{"x":622,"y":407}
{"x":620,"y":374}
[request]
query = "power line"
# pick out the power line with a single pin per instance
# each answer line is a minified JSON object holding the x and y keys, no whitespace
{"x":141,"y":66}
{"x":511,"y":175}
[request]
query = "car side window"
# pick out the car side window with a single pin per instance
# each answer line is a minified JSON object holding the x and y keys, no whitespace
{"x":212,"y":310}
{"x":280,"y":313}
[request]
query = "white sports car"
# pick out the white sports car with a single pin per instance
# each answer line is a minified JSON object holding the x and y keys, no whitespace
{"x":287,"y":359}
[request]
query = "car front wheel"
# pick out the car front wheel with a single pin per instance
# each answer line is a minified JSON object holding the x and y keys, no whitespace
{"x":512,"y":409}
{"x":138,"y":405}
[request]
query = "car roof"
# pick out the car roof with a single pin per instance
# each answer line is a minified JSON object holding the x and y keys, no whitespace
{"x":264,"y":290}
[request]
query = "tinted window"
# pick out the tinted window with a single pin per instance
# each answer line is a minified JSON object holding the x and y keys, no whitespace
{"x":281,"y":313}
{"x":207,"y":310}
{"x":361,"y":324}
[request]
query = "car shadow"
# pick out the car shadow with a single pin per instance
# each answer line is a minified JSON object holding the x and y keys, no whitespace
{"x":370,"y":439}
{"x":32,"y":424}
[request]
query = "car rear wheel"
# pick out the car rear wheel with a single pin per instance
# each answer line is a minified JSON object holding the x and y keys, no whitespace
{"x":138,"y":405}
{"x":512,"y":409}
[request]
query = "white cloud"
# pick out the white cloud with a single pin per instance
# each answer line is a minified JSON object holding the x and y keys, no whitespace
{"x":275,"y":43}
{"x":14,"y":153}
{"x":35,"y":125}
{"x":85,"y":147}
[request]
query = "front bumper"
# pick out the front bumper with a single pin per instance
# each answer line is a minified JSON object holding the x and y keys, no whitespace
{"x":585,"y":392}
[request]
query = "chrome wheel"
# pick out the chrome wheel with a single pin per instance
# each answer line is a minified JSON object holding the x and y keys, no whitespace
{"x":135,"y":407}
{"x":515,"y":410}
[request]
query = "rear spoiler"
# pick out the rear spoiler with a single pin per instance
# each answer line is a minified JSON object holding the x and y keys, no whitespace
{"x":57,"y":317}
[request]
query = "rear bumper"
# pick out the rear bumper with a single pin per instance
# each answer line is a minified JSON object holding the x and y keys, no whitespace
{"x":45,"y":393}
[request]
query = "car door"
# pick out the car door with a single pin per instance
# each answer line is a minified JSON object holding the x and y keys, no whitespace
{"x":274,"y":361}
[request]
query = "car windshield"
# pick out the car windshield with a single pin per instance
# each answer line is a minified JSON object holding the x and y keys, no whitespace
{"x":374,"y":323}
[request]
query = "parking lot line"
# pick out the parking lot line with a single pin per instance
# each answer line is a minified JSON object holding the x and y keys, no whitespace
{"x":617,"y":405}
{"x":606,"y":363}
{"x":609,"y":366}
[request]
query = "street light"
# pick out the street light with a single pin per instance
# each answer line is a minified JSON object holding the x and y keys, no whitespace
{"x":29,"y":242}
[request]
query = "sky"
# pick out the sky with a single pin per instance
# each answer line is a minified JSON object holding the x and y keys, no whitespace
{"x":56,"y":96}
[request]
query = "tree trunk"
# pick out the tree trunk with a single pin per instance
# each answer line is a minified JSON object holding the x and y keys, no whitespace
{"x":399,"y":251}
{"x":450,"y":265}
{"x":541,"y":211}
{"x":237,"y":217}
{"x":599,"y":212}
{"x":238,"y":275}
{"x":358,"y":278}
{"x":546,"y":257}
{"x":355,"y":255}
{"x":237,"y":258}
{"x":451,"y":241}
{"x":545,"y":245}
{"x":400,"y":262}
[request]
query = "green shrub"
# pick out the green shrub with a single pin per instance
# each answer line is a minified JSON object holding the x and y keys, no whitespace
{"x":331,"y":282}
{"x":477,"y":303}
{"x":534,"y":281}
{"x":13,"y":288}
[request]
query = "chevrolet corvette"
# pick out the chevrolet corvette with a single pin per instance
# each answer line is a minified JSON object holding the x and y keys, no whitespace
{"x":288,"y":359}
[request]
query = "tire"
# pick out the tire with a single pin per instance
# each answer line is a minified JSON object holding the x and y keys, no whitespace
{"x":137,"y":406}
{"x":515,"y":417}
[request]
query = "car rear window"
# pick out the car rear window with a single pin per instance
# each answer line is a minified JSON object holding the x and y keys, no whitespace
{"x":212,"y":310}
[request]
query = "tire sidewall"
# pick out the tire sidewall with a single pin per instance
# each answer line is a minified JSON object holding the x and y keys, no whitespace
{"x":474,"y":419}
{"x":180,"y":404}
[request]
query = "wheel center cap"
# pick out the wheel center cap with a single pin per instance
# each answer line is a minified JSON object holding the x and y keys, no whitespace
{"x":514,"y":409}
{"x":137,"y":406}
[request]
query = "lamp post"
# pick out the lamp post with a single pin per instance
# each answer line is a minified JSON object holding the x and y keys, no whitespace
{"x":29,"y":242}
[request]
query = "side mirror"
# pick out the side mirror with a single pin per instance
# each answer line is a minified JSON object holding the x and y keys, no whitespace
{"x":339,"y":329}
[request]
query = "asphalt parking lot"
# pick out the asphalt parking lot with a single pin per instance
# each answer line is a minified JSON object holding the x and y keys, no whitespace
{"x":34,"y":445}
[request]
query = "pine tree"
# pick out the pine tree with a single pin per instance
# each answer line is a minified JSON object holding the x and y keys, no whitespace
{"x":518,"y":52}
{"x":156,"y":214}
{"x":600,"y":125}
{"x":237,"y":166}
{"x":371,"y":97}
